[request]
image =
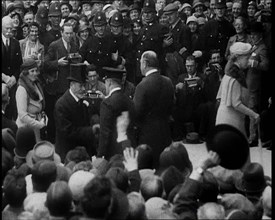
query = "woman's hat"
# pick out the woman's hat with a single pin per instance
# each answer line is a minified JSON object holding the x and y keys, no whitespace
{"x":185,"y":5}
{"x":197,"y":3}
{"x":28,"y":64}
{"x":240,"y":48}
{"x":43,"y":150}
{"x":253,"y":179}
{"x":192,"y":138}
{"x":230,"y":144}
{"x":191,"y":18}
{"x":25,"y":141}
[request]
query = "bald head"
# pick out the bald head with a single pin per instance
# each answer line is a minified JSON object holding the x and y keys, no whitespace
{"x":7,"y":25}
{"x":211,"y":210}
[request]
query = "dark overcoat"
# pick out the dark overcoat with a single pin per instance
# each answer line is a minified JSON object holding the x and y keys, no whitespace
{"x":110,"y":109}
{"x":153,"y":99}
{"x":72,"y":125}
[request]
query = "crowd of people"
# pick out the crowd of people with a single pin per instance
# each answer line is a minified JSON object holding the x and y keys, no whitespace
{"x":99,"y":97}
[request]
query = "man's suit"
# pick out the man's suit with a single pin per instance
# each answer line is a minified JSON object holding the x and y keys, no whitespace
{"x":153,"y":101}
{"x":56,"y":79}
{"x":11,"y":62}
{"x":72,"y":125}
{"x":110,"y":109}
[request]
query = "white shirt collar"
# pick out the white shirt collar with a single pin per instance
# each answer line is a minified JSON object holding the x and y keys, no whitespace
{"x":4,"y":39}
{"x":150,"y":71}
{"x":73,"y":95}
{"x":112,"y":91}
{"x":192,"y":76}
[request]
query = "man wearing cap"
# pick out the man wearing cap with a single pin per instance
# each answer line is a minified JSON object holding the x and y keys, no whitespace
{"x":153,"y":99}
{"x":121,"y":46}
{"x":57,"y":69}
{"x":176,"y":44}
{"x":11,"y":62}
{"x":150,"y":37}
{"x":54,"y":17}
{"x":97,"y":48}
{"x":216,"y":32}
{"x":71,"y":115}
{"x":111,"y":107}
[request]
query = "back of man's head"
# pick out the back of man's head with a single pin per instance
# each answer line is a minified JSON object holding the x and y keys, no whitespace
{"x":97,"y":197}
{"x":211,"y":210}
{"x":151,"y":59}
{"x":136,"y":206}
{"x":151,"y":186}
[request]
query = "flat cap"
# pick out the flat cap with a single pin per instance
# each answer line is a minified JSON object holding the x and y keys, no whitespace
{"x":170,"y":8}
{"x":111,"y":72}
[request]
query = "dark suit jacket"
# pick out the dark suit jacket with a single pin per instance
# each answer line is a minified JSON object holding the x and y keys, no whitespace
{"x":72,"y":125}
{"x":153,"y":99}
{"x":110,"y":109}
{"x":12,"y":59}
{"x":55,"y":51}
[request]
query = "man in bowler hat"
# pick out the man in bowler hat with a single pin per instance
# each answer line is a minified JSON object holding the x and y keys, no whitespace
{"x":112,"y":106}
{"x":71,"y":116}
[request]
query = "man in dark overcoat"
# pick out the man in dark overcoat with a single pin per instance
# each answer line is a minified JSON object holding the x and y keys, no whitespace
{"x":71,"y":116}
{"x":153,"y":99}
{"x":57,"y":69}
{"x":111,"y":107}
{"x":11,"y":62}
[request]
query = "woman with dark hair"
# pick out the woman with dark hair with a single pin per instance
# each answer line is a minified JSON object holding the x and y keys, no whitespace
{"x":17,"y":23}
{"x":82,"y":34}
{"x":30,"y":99}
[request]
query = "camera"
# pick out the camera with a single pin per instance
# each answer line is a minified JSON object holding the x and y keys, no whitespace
{"x":74,"y":58}
{"x":92,"y":94}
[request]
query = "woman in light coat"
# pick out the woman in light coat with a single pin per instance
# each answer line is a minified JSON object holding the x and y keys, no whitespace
{"x":30,"y":99}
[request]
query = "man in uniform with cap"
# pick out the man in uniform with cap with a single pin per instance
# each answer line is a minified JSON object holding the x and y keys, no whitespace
{"x":176,"y":44}
{"x":54,"y":17}
{"x":71,"y":116}
{"x":121,"y":46}
{"x":216,"y":32}
{"x":97,"y":48}
{"x":56,"y":70}
{"x":151,"y":36}
{"x":111,"y":107}
{"x":11,"y":62}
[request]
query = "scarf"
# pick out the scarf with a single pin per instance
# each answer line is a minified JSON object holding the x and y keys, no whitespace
{"x":25,"y":82}
{"x":235,"y":72}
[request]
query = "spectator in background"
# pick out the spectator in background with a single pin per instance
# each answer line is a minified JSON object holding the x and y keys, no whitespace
{"x":17,"y":23}
{"x":251,"y":11}
{"x":134,"y":12}
{"x":28,"y":17}
{"x":236,"y":9}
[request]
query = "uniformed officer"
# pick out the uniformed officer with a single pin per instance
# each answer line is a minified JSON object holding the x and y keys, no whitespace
{"x":97,"y":48}
{"x":216,"y":32}
{"x":122,"y":54}
{"x":151,"y":36}
{"x":176,"y":44}
{"x":55,"y":32}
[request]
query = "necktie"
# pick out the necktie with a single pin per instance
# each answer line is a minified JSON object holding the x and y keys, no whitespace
{"x":68,"y":47}
{"x":7,"y":44}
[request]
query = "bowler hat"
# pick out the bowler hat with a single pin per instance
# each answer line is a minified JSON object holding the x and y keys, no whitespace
{"x":230,"y":144}
{"x":220,"y":4}
{"x":8,"y":139}
{"x":54,"y":9}
{"x":99,"y":19}
{"x":77,"y":72}
{"x":192,"y":138}
{"x":253,"y":179}
{"x":116,"y":19}
{"x":43,"y":150}
{"x":25,"y":141}
{"x":111,"y":72}
{"x":170,"y":8}
{"x":149,"y":6}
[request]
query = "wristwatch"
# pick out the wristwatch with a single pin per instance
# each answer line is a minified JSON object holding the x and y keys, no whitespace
{"x":200,"y":170}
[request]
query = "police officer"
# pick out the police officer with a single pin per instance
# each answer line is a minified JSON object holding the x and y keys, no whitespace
{"x":151,"y":36}
{"x":97,"y":48}
{"x":216,"y":32}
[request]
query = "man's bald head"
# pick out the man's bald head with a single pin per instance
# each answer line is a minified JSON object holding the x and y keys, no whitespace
{"x":7,"y":25}
{"x":149,"y":60}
